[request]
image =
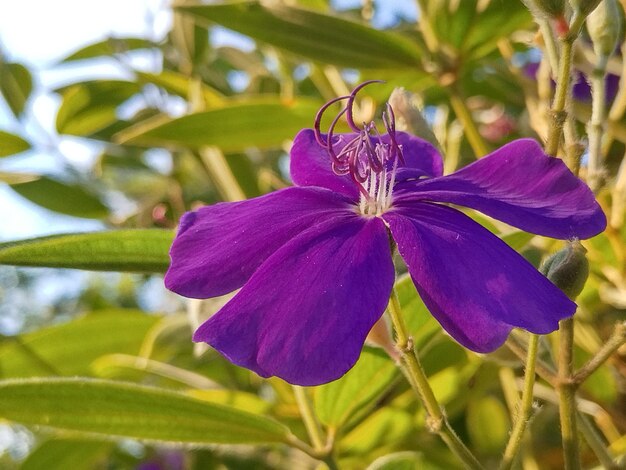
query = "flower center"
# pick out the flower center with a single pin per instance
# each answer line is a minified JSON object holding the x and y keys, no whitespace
{"x":370,"y":158}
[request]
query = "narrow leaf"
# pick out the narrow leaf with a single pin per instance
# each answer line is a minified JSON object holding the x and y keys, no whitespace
{"x":141,"y":250}
{"x":92,"y":106}
{"x":71,"y":348}
{"x":234,"y":128}
{"x":11,"y":144}
{"x":65,"y":454}
{"x":108,"y":47}
{"x":16,"y":85}
{"x":311,"y":34}
{"x":64,"y":198}
{"x":179,"y":84}
{"x":117,"y":409}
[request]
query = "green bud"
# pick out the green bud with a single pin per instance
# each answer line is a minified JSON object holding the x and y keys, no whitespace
{"x":568,"y":269}
{"x":604,"y":24}
{"x":584,"y":7}
{"x":543,"y":8}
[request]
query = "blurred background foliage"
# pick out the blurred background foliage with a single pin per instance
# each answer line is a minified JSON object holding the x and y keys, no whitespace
{"x":209,"y":122}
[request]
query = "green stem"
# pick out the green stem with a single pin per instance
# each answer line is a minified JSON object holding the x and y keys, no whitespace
{"x":469,"y":126}
{"x":614,"y":342}
{"x":567,"y":395}
{"x":595,"y":127}
{"x":558,"y":113}
{"x":436,"y":421}
{"x":311,"y":424}
{"x":593,"y":438}
{"x":515,"y":441}
{"x":322,"y":451}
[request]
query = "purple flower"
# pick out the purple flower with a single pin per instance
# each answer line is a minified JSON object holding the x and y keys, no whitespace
{"x":315,"y":261}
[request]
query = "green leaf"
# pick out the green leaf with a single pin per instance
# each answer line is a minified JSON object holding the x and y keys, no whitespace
{"x":240,"y":400}
{"x":64,"y":198}
{"x":337,"y":401}
{"x":11,"y":144}
{"x":517,"y":239}
{"x":180,"y":85}
{"x":65,"y":454}
{"x":115,"y":409}
{"x":140,"y":250}
{"x":473,"y":28}
{"x":16,"y":85}
{"x":234,"y":128}
{"x":488,"y":424}
{"x":492,"y":24}
{"x":385,"y":426}
{"x":311,"y":34}
{"x":108,"y":47}
{"x":70,"y":348}
{"x":401,"y":461}
{"x":92,"y":106}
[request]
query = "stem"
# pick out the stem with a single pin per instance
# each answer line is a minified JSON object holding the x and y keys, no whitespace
{"x":543,"y":369}
{"x":471,"y":131}
{"x":308,"y":417}
{"x":596,"y":443}
{"x":619,"y":196}
{"x":221,"y":175}
{"x":515,"y":441}
{"x":596,"y":125}
{"x":614,"y":342}
{"x":567,"y":395}
{"x":436,"y":421}
{"x":552,"y":51}
{"x":558,"y":113}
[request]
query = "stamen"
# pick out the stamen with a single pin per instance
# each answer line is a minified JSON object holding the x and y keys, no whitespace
{"x":371,"y":159}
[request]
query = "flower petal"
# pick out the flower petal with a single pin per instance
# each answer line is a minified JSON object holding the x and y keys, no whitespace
{"x":218,"y":247}
{"x":311,"y":164}
{"x":522,"y":186}
{"x":418,"y":155}
{"x":472,"y":282}
{"x":304,"y":314}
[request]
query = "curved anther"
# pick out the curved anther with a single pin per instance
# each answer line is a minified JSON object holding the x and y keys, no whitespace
{"x":318,"y":120}
{"x":350,"y":103}
{"x":369,"y":158}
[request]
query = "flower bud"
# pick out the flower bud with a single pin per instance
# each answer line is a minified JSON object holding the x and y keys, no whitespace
{"x":584,"y":7}
{"x":604,"y":25}
{"x":543,"y":8}
{"x":568,"y":269}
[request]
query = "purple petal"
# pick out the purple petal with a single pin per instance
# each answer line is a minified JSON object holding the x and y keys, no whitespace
{"x":304,"y":314}
{"x":521,"y":186}
{"x":311,"y":163}
{"x":218,"y":247}
{"x":472,"y":282}
{"x":418,"y":155}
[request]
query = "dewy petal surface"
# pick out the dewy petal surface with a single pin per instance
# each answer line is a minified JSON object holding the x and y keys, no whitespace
{"x":304,"y":314}
{"x":476,"y":286}
{"x":311,"y":163}
{"x":521,"y":186}
{"x":218,"y":247}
